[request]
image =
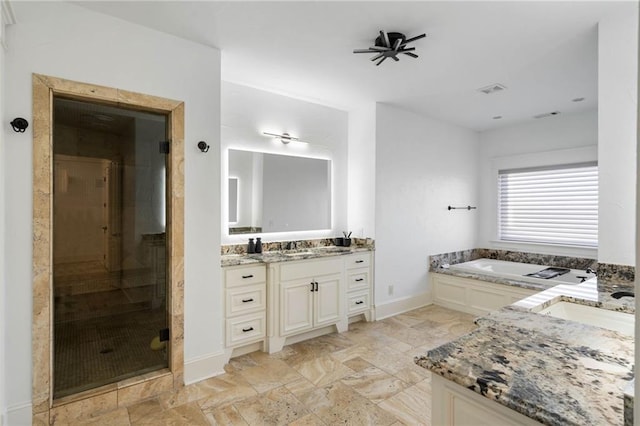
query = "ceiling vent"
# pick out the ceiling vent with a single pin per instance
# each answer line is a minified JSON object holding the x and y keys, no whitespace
{"x":492,"y":88}
{"x":547,"y":114}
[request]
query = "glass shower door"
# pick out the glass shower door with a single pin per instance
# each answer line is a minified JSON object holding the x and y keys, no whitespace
{"x":109,"y":245}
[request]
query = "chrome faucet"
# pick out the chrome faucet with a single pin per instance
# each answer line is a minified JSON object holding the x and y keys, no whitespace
{"x":591,"y":271}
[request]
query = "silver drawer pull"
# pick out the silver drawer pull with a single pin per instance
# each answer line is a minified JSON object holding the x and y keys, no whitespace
{"x":247,"y":276}
{"x":359,"y":261}
{"x":359,"y":302}
{"x":359,"y":279}
{"x":247,"y":300}
{"x":245,"y":330}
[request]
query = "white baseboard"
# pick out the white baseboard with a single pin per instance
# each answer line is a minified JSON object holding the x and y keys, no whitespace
{"x":399,"y":306}
{"x":204,"y":367}
{"x":18,"y":415}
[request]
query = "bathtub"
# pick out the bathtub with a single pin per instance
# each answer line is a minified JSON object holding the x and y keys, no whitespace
{"x":518,"y":271}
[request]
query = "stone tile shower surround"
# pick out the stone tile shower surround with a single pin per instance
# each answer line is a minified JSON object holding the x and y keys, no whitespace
{"x":367,"y":243}
{"x":611,"y":277}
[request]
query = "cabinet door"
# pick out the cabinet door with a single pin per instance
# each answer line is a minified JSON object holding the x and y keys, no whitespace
{"x":296,"y":306}
{"x":328,"y":300}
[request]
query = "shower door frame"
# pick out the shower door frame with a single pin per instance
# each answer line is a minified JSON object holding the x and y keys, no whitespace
{"x":44,"y":90}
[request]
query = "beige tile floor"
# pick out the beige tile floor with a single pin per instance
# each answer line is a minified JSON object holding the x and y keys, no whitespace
{"x":365,"y":376}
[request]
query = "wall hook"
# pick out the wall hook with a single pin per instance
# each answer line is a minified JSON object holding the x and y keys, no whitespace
{"x":19,"y":124}
{"x":202,"y":145}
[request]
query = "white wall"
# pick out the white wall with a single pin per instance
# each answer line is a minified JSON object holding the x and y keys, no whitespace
{"x":549,"y":139}
{"x":3,"y":242}
{"x":422,"y":166}
{"x":362,"y":171}
{"x":70,"y":42}
{"x":248,"y":112}
{"x":617,"y":121}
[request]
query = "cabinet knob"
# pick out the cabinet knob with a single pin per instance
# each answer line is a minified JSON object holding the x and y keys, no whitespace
{"x":247,"y":300}
{"x":245,"y":330}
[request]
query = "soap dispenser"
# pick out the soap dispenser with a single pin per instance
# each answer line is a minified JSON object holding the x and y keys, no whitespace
{"x":258,"y":245}
{"x":251,"y":247}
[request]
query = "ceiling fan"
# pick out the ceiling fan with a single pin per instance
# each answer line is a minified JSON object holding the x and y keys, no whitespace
{"x":389,"y":45}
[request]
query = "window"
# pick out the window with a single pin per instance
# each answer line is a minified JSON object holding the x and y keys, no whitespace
{"x":549,"y":205}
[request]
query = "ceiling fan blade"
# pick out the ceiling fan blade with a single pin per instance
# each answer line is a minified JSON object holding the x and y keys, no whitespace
{"x":379,"y":48}
{"x":406,"y":49}
{"x":364,"y":51}
{"x":397,"y":44}
{"x":385,"y":39}
{"x":378,"y":56}
{"x":381,"y":61}
{"x":395,"y":58}
{"x":409,"y":40}
{"x":413,"y":55}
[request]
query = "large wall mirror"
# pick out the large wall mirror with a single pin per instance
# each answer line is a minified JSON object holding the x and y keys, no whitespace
{"x":278,"y":193}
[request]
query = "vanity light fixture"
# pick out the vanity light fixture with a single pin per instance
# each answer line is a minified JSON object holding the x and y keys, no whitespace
{"x":285,"y":138}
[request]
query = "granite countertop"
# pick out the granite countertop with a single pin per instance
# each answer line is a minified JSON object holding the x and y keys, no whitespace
{"x":288,"y":255}
{"x":555,"y":371}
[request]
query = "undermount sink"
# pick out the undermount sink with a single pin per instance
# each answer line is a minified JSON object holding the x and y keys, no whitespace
{"x":612,"y":320}
{"x":298,"y":253}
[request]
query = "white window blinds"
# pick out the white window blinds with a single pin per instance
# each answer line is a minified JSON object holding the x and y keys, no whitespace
{"x":552,"y":205}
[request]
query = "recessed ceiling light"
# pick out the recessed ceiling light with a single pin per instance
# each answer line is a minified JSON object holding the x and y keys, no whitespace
{"x":577,"y":99}
{"x":497,"y":117}
{"x":492,"y":88}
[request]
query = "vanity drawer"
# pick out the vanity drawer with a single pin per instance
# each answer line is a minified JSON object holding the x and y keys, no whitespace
{"x":245,"y":275}
{"x":246,"y":299}
{"x":358,"y":260}
{"x":358,"y":279}
{"x":310,"y":269}
{"x":245,"y":329}
{"x":358,"y":302}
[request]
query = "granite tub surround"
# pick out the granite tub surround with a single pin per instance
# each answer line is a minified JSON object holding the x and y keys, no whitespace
{"x":554,"y":371}
{"x":613,"y":277}
{"x":452,"y":258}
{"x":498,"y":280}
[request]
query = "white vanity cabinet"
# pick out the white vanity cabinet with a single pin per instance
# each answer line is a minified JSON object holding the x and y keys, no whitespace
{"x":245,"y":296}
{"x":309,"y":294}
{"x":358,"y":271}
{"x":289,"y":301}
{"x":305,"y":296}
{"x":454,"y":405}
